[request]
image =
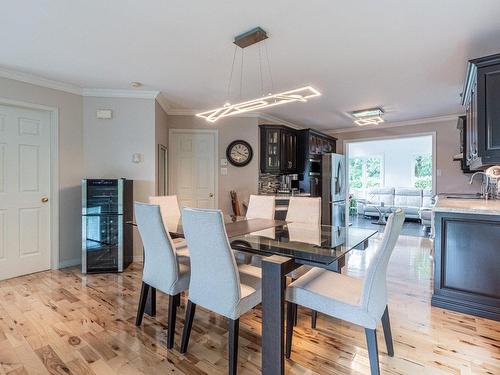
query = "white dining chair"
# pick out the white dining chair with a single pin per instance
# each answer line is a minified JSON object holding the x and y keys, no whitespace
{"x":306,"y":210}
{"x":216,"y":282}
{"x":359,"y":301}
{"x":303,"y":210}
{"x":162,"y":270}
{"x":261,"y":207}
{"x":169,"y":208}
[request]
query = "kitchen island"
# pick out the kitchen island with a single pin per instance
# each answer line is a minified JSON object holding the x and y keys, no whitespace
{"x":467,"y":256}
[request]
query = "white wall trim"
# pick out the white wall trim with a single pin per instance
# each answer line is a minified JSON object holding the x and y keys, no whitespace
{"x":40,"y":81}
{"x":54,"y":173}
{"x":70,"y":263}
{"x":113,"y":93}
{"x":425,"y":120}
{"x":171,"y":157}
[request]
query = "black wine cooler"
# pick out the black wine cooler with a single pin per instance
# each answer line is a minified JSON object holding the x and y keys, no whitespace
{"x":107,"y":205}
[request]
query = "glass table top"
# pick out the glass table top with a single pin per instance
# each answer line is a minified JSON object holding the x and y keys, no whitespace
{"x":314,"y":244}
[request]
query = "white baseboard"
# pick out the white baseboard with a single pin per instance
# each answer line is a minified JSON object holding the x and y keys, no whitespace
{"x":70,"y":263}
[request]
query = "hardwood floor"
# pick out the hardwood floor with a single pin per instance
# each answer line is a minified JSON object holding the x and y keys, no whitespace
{"x":60,"y":322}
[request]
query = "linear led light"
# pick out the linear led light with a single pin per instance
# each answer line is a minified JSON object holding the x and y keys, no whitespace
{"x":369,"y":121}
{"x":372,"y":116}
{"x":297,"y":95}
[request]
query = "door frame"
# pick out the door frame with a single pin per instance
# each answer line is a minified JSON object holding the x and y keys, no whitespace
{"x":54,"y":173}
{"x":433,"y":135}
{"x":171,"y":157}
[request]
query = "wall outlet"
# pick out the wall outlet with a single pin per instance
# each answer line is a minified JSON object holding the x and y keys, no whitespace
{"x":223,"y":171}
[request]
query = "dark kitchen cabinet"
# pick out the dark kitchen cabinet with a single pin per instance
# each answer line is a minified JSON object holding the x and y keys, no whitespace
{"x":311,"y":145}
{"x":480,"y":99}
{"x":462,"y":126}
{"x":278,"y":149}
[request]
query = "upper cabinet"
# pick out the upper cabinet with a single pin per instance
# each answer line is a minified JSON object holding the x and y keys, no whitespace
{"x":284,"y":150}
{"x":278,"y":149}
{"x":481,"y":101}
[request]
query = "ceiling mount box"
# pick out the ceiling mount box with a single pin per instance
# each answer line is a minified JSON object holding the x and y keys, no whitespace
{"x":104,"y":114}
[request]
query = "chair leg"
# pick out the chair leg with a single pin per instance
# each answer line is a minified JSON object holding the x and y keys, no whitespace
{"x":314,"y":318}
{"x":371,"y":341}
{"x":188,"y":323}
{"x":234,"y":327}
{"x":290,"y":319}
{"x":386,"y":325}
{"x":142,"y":303}
{"x":295,"y":314}
{"x":172,"y":312}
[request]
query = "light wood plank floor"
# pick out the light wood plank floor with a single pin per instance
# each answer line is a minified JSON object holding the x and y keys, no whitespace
{"x":60,"y":322}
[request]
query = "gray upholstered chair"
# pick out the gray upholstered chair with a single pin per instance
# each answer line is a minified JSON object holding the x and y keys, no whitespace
{"x":162,"y":270}
{"x":216,"y":282}
{"x":362,"y":302}
{"x":169,"y":208}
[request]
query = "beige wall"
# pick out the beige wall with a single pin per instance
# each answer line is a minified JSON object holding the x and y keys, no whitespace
{"x":161,"y":135}
{"x":110,"y":144}
{"x":70,"y":158}
{"x":447,"y":144}
{"x":242,"y":179}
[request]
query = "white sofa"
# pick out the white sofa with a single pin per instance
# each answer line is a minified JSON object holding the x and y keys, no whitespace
{"x":411,"y":200}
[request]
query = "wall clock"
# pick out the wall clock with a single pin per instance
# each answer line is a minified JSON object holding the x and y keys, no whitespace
{"x":239,"y":153}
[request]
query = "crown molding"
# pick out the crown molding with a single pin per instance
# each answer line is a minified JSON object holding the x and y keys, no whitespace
{"x":113,"y":93}
{"x":259,"y":115}
{"x":420,"y":121}
{"x":163,"y":102}
{"x":40,"y":81}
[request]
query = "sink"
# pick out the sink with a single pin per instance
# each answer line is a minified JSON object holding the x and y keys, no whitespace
{"x":463,"y":196}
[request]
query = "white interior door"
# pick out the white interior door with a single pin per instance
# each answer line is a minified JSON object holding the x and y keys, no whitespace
{"x":193,"y":156}
{"x":24,"y":191}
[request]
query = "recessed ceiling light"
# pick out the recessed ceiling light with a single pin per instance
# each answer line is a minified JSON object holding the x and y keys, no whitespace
{"x":135,"y":84}
{"x":371,"y":116}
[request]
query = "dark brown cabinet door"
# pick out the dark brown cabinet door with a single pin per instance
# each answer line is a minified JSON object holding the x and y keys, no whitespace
{"x":489,"y":82}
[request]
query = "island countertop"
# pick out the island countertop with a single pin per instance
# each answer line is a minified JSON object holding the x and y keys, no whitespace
{"x":468,"y":206}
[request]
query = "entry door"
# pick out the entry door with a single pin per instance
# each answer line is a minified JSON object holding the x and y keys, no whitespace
{"x":193,"y":156}
{"x":24,"y":191}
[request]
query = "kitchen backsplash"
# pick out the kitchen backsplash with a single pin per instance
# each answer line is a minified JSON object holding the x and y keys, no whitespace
{"x":268,"y":183}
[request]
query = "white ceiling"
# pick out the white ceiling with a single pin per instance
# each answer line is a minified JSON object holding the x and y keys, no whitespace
{"x":407,"y":56}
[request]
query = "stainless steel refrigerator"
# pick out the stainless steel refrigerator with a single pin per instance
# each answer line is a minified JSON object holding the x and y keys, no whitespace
{"x":333,"y":198}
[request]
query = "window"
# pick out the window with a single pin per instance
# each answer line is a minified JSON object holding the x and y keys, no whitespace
{"x":365,"y":172}
{"x":422,"y":171}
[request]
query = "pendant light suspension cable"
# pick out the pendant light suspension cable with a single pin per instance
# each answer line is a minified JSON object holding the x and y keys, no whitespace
{"x":269,"y":67}
{"x":260,"y":69}
{"x":241,"y":72}
{"x":228,"y":95}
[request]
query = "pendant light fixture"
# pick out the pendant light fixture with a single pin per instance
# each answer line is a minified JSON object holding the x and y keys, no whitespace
{"x":242,"y":41}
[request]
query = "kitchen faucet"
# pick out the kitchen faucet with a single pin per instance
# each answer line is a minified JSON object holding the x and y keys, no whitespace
{"x":485,"y":185}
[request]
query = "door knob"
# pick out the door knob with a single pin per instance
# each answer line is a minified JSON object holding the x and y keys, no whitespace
{"x":45,"y":200}
{"x":211,"y":195}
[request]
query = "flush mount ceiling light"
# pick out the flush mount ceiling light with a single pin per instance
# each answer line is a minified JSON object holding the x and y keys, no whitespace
{"x":244,"y":40}
{"x":372,"y":116}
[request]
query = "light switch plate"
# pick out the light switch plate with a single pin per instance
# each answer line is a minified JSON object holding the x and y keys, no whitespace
{"x":223,"y":162}
{"x":104,"y":114}
{"x":223,"y":171}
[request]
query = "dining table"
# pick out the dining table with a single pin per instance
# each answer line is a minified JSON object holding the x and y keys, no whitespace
{"x":283,"y":246}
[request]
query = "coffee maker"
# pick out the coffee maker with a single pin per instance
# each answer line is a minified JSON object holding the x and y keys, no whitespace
{"x":289,"y":184}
